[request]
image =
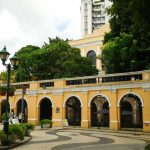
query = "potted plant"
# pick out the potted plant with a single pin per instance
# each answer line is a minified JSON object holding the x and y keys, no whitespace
{"x":30,"y":127}
{"x":46,"y":123}
{"x":3,"y":90}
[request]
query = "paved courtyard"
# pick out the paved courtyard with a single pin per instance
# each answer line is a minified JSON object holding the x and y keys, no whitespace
{"x":84,"y":139}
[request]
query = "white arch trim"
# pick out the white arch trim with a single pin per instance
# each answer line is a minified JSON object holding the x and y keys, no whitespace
{"x":38,"y":103}
{"x":118,"y":104}
{"x":64,"y":104}
{"x":15,"y":104}
{"x":89,"y":104}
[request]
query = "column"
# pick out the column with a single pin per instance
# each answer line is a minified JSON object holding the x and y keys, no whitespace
{"x":84,"y":111}
{"x":114,"y":111}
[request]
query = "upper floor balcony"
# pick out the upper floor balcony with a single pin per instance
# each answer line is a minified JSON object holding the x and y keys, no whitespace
{"x":99,"y":80}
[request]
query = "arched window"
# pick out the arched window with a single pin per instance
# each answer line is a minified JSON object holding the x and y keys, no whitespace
{"x":92,"y":55}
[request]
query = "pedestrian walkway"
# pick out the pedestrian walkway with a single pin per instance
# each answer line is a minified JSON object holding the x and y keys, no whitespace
{"x":84,"y":139}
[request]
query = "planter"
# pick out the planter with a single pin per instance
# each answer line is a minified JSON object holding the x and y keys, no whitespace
{"x":2,"y":93}
{"x":46,"y":123}
{"x":3,"y":90}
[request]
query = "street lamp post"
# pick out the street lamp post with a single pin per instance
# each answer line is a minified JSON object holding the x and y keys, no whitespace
{"x":14,"y":62}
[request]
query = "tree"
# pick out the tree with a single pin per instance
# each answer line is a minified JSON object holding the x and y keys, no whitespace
{"x":125,"y":23}
{"x":57,"y":59}
{"x":3,"y":77}
{"x":25,"y":69}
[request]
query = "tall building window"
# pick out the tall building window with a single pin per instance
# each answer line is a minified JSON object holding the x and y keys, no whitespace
{"x":92,"y":55}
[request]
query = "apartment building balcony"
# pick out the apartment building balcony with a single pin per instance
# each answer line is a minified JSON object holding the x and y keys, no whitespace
{"x":99,"y":22}
{"x":97,"y":9}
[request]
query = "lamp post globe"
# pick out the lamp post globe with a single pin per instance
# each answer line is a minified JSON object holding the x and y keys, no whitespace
{"x":4,"y":55}
{"x":14,"y":62}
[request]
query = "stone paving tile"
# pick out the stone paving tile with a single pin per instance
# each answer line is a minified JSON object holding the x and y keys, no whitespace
{"x":84,"y":139}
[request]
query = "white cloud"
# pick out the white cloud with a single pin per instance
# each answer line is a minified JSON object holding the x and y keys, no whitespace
{"x":24,"y":22}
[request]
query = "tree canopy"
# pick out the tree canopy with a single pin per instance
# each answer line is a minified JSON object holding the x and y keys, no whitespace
{"x":127,"y":45}
{"x":57,"y":59}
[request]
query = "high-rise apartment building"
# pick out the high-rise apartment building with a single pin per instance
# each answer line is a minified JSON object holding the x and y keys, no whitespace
{"x":93,"y":15}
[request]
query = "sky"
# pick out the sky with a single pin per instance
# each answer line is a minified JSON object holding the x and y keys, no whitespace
{"x":31,"y":22}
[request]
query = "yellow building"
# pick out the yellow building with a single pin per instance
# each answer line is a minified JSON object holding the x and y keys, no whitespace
{"x":91,"y":45}
{"x":114,"y":100}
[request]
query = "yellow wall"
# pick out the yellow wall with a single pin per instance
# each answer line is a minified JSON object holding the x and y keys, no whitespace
{"x":60,"y":93}
{"x":93,"y":42}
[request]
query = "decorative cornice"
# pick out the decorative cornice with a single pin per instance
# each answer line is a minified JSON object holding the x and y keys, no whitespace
{"x":85,"y":89}
{"x":88,"y":44}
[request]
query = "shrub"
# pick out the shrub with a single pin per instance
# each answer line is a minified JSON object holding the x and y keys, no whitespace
{"x":2,"y":90}
{"x":46,"y":121}
{"x":147,"y":147}
{"x":3,"y":137}
{"x":17,"y":131}
{"x":3,"y":116}
{"x":24,"y":127}
{"x":30,"y":126}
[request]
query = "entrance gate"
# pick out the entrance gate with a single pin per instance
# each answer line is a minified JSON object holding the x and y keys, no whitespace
{"x":73,"y":111}
{"x":131,"y":112}
{"x":99,"y":112}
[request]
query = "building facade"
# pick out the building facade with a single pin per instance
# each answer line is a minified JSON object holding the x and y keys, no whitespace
{"x":91,"y":46}
{"x":93,"y":15}
{"x":115,"y":101}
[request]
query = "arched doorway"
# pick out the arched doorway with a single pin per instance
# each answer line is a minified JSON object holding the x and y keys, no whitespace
{"x":22,"y":107}
{"x":45,"y":109}
{"x":3,"y":108}
{"x":92,"y":56}
{"x":73,"y":111}
{"x":131,"y":112}
{"x":99,"y":112}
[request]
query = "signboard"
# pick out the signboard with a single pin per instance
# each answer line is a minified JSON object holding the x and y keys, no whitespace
{"x":65,"y":123}
{"x":57,"y":109}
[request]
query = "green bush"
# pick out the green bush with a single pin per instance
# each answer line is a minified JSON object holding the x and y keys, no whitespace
{"x":17,"y":131}
{"x":28,"y":127}
{"x":3,"y":116}
{"x":3,"y":137}
{"x":24,"y":127}
{"x":147,"y":147}
{"x":46,"y":121}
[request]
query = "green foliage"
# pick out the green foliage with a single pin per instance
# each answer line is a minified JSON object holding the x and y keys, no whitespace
{"x":16,"y":131}
{"x":3,"y":77}
{"x":127,"y":46}
{"x":46,"y":121}
{"x":119,"y":55}
{"x":3,"y":137}
{"x":29,"y":126}
{"x":57,"y":59}
{"x":147,"y":147}
{"x":3,"y":116}
{"x":2,"y":90}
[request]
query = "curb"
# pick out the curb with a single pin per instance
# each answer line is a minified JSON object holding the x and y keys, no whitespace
{"x":16,"y":144}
